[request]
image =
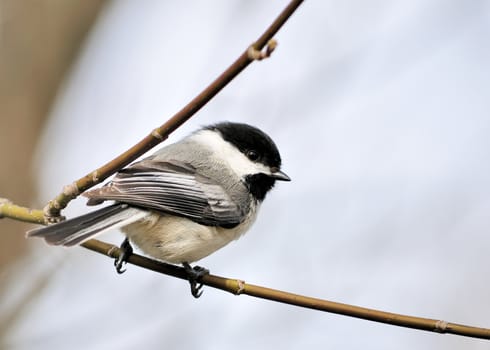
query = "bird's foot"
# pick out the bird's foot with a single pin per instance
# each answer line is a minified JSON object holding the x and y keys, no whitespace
{"x":194,"y":274}
{"x":126,"y":252}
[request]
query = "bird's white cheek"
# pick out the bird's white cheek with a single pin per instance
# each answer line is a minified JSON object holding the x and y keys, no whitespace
{"x":224,"y":150}
{"x":242,"y":166}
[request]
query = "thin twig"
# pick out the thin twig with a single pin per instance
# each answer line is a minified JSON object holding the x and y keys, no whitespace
{"x":10,"y":210}
{"x":238,"y":287}
{"x":54,"y":207}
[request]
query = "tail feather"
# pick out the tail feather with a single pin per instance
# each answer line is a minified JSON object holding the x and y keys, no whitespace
{"x":79,"y":229}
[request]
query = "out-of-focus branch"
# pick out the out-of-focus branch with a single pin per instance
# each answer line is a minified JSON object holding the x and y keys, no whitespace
{"x":254,"y":52}
{"x":238,"y":287}
{"x":10,"y":210}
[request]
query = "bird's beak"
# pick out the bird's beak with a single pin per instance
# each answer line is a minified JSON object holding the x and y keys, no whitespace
{"x":279,"y":175}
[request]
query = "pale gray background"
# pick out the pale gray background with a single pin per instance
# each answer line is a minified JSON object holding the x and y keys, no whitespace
{"x":380,"y":110}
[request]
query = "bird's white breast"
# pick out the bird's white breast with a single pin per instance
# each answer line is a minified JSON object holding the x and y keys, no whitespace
{"x":176,"y":240}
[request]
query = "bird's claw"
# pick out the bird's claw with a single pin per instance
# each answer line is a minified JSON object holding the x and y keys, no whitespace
{"x":194,"y":274}
{"x":121,"y":260}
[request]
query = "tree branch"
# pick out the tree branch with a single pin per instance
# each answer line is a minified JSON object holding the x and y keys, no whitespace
{"x":54,"y":207}
{"x":238,"y":287}
{"x":10,"y":210}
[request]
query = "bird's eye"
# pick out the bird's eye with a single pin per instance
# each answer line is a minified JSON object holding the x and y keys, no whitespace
{"x":252,"y":155}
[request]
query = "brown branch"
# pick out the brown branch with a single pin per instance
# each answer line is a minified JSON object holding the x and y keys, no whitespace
{"x":10,"y":210}
{"x":238,"y":287}
{"x":52,"y":210}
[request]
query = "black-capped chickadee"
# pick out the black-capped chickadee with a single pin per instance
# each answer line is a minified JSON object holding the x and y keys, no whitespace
{"x":185,"y":201}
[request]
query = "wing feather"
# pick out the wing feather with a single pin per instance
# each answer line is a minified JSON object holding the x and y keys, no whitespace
{"x":173,"y":188}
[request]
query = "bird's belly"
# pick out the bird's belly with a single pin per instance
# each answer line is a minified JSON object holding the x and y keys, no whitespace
{"x":177,"y":240}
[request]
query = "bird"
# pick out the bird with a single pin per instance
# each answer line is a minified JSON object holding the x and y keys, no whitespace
{"x":185,"y":201}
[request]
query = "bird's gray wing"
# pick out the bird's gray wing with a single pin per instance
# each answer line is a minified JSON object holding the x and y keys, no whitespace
{"x":172,"y":187}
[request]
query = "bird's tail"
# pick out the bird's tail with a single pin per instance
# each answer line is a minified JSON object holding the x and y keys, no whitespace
{"x":81,"y":228}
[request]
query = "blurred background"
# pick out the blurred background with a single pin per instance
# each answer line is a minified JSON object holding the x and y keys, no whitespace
{"x":380,"y":110}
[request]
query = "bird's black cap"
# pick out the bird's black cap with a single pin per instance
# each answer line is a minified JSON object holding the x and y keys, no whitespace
{"x":248,"y":138}
{"x":258,"y":147}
